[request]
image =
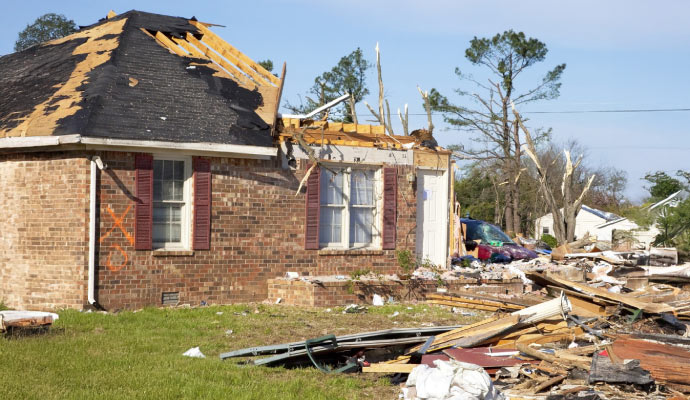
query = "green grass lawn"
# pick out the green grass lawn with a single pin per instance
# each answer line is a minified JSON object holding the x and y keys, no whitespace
{"x":138,"y":355}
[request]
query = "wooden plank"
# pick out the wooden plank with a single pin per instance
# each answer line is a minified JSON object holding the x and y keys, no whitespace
{"x":170,"y":44}
{"x":187,"y":46}
{"x":603,"y":293}
{"x":279,"y":94}
{"x":217,"y":46}
{"x":378,"y":129}
{"x":549,"y":382}
{"x":361,"y":128}
{"x":390,"y":368}
{"x":484,"y":302}
{"x":666,"y":363}
{"x":226,"y":47}
{"x":234,"y":72}
{"x":584,"y":308}
{"x":575,"y":361}
{"x":463,"y":305}
{"x":349,"y":128}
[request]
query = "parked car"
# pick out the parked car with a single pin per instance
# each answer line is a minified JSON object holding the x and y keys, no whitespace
{"x":493,"y":240}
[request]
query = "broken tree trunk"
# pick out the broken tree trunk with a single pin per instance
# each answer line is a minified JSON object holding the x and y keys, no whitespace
{"x":563,"y":217}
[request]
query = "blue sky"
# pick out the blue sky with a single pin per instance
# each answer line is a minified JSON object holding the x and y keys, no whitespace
{"x":630,"y":54}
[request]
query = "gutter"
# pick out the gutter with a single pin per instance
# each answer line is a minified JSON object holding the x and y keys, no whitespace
{"x":96,"y":163}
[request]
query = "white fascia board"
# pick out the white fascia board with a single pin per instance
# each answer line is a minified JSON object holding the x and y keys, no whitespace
{"x":231,"y":150}
{"x":37,"y":141}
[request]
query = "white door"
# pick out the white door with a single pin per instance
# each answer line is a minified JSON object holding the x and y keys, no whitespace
{"x":432,"y":216}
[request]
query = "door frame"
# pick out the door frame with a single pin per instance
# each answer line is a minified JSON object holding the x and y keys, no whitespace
{"x":443,"y":203}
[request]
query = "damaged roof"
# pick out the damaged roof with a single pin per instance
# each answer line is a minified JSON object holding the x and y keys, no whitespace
{"x":139,"y":76}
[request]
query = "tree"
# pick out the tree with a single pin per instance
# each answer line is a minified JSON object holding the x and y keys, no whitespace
{"x":46,"y":27}
{"x":348,"y":76}
{"x":506,"y":56}
{"x":267,"y":64}
{"x":563,"y":217}
{"x":662,"y":185}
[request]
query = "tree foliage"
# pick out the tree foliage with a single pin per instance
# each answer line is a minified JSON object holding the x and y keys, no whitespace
{"x":267,"y":64}
{"x":662,"y":185}
{"x":486,"y":112}
{"x":348,"y":76}
{"x":475,"y":193}
{"x":46,"y":27}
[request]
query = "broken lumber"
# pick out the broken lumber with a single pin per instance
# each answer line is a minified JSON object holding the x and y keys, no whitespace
{"x":467,"y":302}
{"x":604,"y":370}
{"x":568,"y":361}
{"x":25,"y":319}
{"x":665,"y":362}
{"x":390,"y":368}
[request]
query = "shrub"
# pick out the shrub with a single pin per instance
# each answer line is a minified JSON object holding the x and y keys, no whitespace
{"x":550,"y":240}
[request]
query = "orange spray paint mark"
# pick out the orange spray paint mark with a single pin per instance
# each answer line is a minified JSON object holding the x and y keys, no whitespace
{"x":117,"y":223}
{"x":116,"y":268}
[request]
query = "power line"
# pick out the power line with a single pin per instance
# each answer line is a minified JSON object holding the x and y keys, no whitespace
{"x":642,"y":110}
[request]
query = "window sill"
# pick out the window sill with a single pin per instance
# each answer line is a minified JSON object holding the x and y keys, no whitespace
{"x":172,"y":253}
{"x":350,"y":252}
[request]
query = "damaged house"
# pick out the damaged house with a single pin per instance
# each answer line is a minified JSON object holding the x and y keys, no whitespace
{"x":143,"y":161}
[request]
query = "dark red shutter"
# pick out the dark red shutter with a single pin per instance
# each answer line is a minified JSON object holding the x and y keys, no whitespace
{"x":202,"y":204}
{"x":390,"y":207}
{"x":311,"y":232}
{"x":143,"y":222}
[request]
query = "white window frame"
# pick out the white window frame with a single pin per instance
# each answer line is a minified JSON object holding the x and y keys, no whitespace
{"x":344,"y":243}
{"x":186,"y":212}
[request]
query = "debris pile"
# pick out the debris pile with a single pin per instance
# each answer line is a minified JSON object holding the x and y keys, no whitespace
{"x":604,"y":335}
{"x":25,"y":319}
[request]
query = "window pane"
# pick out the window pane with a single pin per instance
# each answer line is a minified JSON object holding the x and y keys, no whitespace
{"x":177,"y":190}
{"x":362,"y":191}
{"x":179,"y":170}
{"x":167,"y":169}
{"x":331,"y":187}
{"x":157,"y":169}
{"x":330,"y":226}
{"x":167,"y":190}
{"x":175,"y":232}
{"x":176,"y":213}
{"x":167,"y":223}
{"x":160,"y":214}
{"x":361,"y":222}
{"x":157,"y":189}
{"x":160,"y":233}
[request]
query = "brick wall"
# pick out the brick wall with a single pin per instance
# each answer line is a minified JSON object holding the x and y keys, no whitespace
{"x":344,"y":292}
{"x":257,"y":233}
{"x":43,"y":230}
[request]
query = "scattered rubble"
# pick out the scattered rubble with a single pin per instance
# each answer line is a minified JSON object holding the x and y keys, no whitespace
{"x":591,"y":324}
{"x":26,"y":319}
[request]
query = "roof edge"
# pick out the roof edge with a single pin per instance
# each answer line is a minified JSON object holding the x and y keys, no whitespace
{"x":17,"y":143}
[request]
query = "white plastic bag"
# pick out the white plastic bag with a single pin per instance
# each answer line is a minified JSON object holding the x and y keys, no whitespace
{"x":452,"y":380}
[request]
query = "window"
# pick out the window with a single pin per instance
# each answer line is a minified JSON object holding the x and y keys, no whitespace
{"x":350,"y":200}
{"x":545,"y":230}
{"x":171,"y":203}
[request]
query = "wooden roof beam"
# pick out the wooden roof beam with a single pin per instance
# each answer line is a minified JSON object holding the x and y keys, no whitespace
{"x":170,"y":44}
{"x":238,"y":54}
{"x":187,"y":46}
{"x":215,"y":58}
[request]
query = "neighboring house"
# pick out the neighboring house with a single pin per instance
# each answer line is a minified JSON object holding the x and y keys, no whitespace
{"x":586,"y":221}
{"x":602,"y":224}
{"x":645,"y":237}
{"x":143,"y":162}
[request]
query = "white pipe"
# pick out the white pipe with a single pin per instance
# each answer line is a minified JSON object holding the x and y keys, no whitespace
{"x":546,"y":310}
{"x":96,"y":163}
{"x":318,"y":110}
